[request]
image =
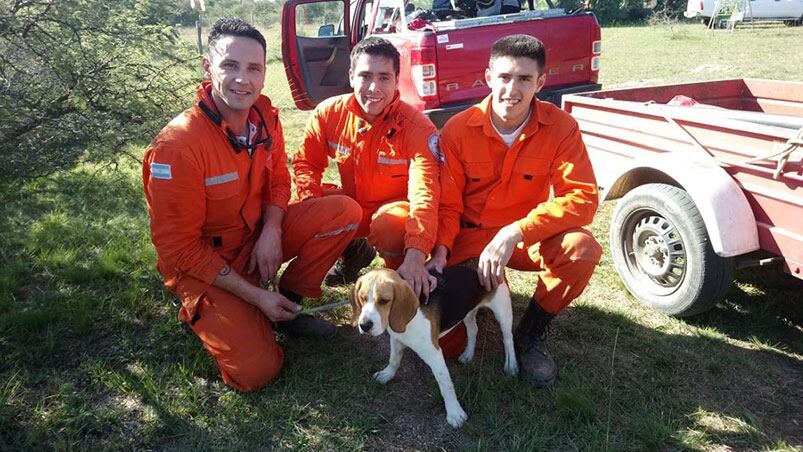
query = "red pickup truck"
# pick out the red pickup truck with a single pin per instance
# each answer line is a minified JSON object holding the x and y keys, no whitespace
{"x":443,"y":58}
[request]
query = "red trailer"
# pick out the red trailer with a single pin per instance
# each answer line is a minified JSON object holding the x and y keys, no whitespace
{"x":710,"y":176}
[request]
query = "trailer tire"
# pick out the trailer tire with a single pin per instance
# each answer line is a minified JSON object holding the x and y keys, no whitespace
{"x":662,"y":252}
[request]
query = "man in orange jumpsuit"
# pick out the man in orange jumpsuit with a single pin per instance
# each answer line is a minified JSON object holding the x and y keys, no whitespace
{"x":388,"y":159}
{"x":217,"y":188}
{"x":503,"y":156}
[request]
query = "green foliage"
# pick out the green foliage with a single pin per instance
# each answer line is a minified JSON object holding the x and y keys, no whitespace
{"x":259,"y":13}
{"x":81,"y":78}
{"x":609,"y":12}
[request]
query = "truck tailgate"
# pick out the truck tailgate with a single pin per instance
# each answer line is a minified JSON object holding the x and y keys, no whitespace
{"x":463,"y":50}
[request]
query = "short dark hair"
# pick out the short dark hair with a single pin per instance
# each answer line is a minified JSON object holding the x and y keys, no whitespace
{"x":233,"y":26}
{"x":376,"y":46}
{"x":518,"y":46}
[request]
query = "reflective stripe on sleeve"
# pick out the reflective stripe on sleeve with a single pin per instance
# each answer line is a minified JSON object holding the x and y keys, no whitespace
{"x":337,"y":147}
{"x":222,"y":179}
{"x":387,"y":161}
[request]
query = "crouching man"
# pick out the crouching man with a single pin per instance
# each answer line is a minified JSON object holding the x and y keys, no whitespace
{"x":217,"y":188}
{"x":503,"y":157}
{"x":387,"y":157}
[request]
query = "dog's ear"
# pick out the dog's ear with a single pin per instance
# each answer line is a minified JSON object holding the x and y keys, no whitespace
{"x":403,"y":307}
{"x":356,"y":303}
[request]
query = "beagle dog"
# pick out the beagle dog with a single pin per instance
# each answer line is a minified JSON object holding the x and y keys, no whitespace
{"x":381,"y":300}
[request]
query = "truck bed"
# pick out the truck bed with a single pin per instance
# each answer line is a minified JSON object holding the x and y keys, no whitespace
{"x":463,"y":49}
{"x":744,"y":125}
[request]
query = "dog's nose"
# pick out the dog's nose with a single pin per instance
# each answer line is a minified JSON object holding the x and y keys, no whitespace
{"x":366,"y":326}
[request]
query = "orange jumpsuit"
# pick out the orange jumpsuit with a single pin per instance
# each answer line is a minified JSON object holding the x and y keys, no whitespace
{"x":390,"y":167}
{"x":205,"y":201}
{"x":485,"y":186}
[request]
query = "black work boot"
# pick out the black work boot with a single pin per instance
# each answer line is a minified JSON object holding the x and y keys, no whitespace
{"x":357,"y":255}
{"x":535,"y":364}
{"x":305,"y":325}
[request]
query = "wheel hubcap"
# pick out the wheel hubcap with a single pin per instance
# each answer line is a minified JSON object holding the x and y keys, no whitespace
{"x":655,"y":252}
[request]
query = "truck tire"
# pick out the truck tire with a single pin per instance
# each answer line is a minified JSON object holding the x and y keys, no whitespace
{"x":662,"y":252}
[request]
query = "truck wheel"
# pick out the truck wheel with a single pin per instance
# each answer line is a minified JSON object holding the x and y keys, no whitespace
{"x":662,"y":252}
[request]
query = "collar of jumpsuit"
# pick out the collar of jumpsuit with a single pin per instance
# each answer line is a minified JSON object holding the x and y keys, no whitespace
{"x":481,"y":116}
{"x":204,"y":94}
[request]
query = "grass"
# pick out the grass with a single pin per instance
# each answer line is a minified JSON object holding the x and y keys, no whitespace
{"x":93,"y":356}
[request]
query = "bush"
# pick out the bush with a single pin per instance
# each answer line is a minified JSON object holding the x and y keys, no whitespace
{"x":80,"y":78}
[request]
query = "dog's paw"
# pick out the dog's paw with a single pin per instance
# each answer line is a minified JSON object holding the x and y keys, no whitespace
{"x":385,"y":375}
{"x":466,"y":357}
{"x":456,"y":417}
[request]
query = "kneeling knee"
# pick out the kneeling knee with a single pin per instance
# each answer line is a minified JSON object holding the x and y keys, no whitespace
{"x":257,"y":371}
{"x":347,"y":207}
{"x":581,"y":245}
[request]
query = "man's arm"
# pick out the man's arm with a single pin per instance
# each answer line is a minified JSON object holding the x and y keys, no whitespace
{"x":177,"y":204}
{"x":311,"y":159}
{"x":452,"y":182}
{"x":424,"y":194}
{"x":275,"y":306}
{"x":174,"y":189}
{"x":267,"y":253}
{"x":277,"y":192}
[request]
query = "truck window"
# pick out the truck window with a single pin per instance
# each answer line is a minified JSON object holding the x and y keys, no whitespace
{"x":320,"y":19}
{"x":362,"y":18}
{"x":389,"y":18}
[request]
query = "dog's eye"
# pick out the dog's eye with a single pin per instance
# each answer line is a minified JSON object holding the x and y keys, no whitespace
{"x":383,"y":301}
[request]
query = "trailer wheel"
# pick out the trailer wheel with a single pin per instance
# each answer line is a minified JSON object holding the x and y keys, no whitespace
{"x":662,"y":252}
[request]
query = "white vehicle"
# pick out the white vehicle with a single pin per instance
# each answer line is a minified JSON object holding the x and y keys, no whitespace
{"x":790,"y":11}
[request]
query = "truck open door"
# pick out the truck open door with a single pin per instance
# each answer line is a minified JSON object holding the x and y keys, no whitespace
{"x":315,"y":48}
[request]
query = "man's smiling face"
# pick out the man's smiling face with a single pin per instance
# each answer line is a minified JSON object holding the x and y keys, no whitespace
{"x":236,"y":68}
{"x":374,"y":82}
{"x":513,"y":82}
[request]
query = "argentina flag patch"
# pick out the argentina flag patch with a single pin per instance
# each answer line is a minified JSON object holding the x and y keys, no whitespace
{"x":161,"y":171}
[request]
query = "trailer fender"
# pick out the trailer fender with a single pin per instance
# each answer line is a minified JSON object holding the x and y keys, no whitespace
{"x":727,"y":215}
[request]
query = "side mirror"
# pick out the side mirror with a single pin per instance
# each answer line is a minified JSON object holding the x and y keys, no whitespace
{"x":326,"y":30}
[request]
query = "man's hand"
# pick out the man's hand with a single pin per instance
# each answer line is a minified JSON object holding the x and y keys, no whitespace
{"x":414,"y":271}
{"x":267,"y":253}
{"x":275,"y":306}
{"x":438,"y":260}
{"x":496,"y":255}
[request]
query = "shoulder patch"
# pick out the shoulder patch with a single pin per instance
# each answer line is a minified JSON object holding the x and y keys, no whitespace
{"x":161,"y":171}
{"x":434,"y":142}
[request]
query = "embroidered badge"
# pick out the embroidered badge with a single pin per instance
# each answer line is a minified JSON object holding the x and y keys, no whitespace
{"x":161,"y":171}
{"x":435,"y":148}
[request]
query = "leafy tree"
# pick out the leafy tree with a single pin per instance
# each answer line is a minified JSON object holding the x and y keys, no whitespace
{"x":83,"y":78}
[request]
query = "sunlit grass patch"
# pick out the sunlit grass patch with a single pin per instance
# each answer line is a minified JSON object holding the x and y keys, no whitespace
{"x":709,"y":428}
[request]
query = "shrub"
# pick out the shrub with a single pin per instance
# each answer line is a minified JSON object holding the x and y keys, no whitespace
{"x":80,"y":78}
